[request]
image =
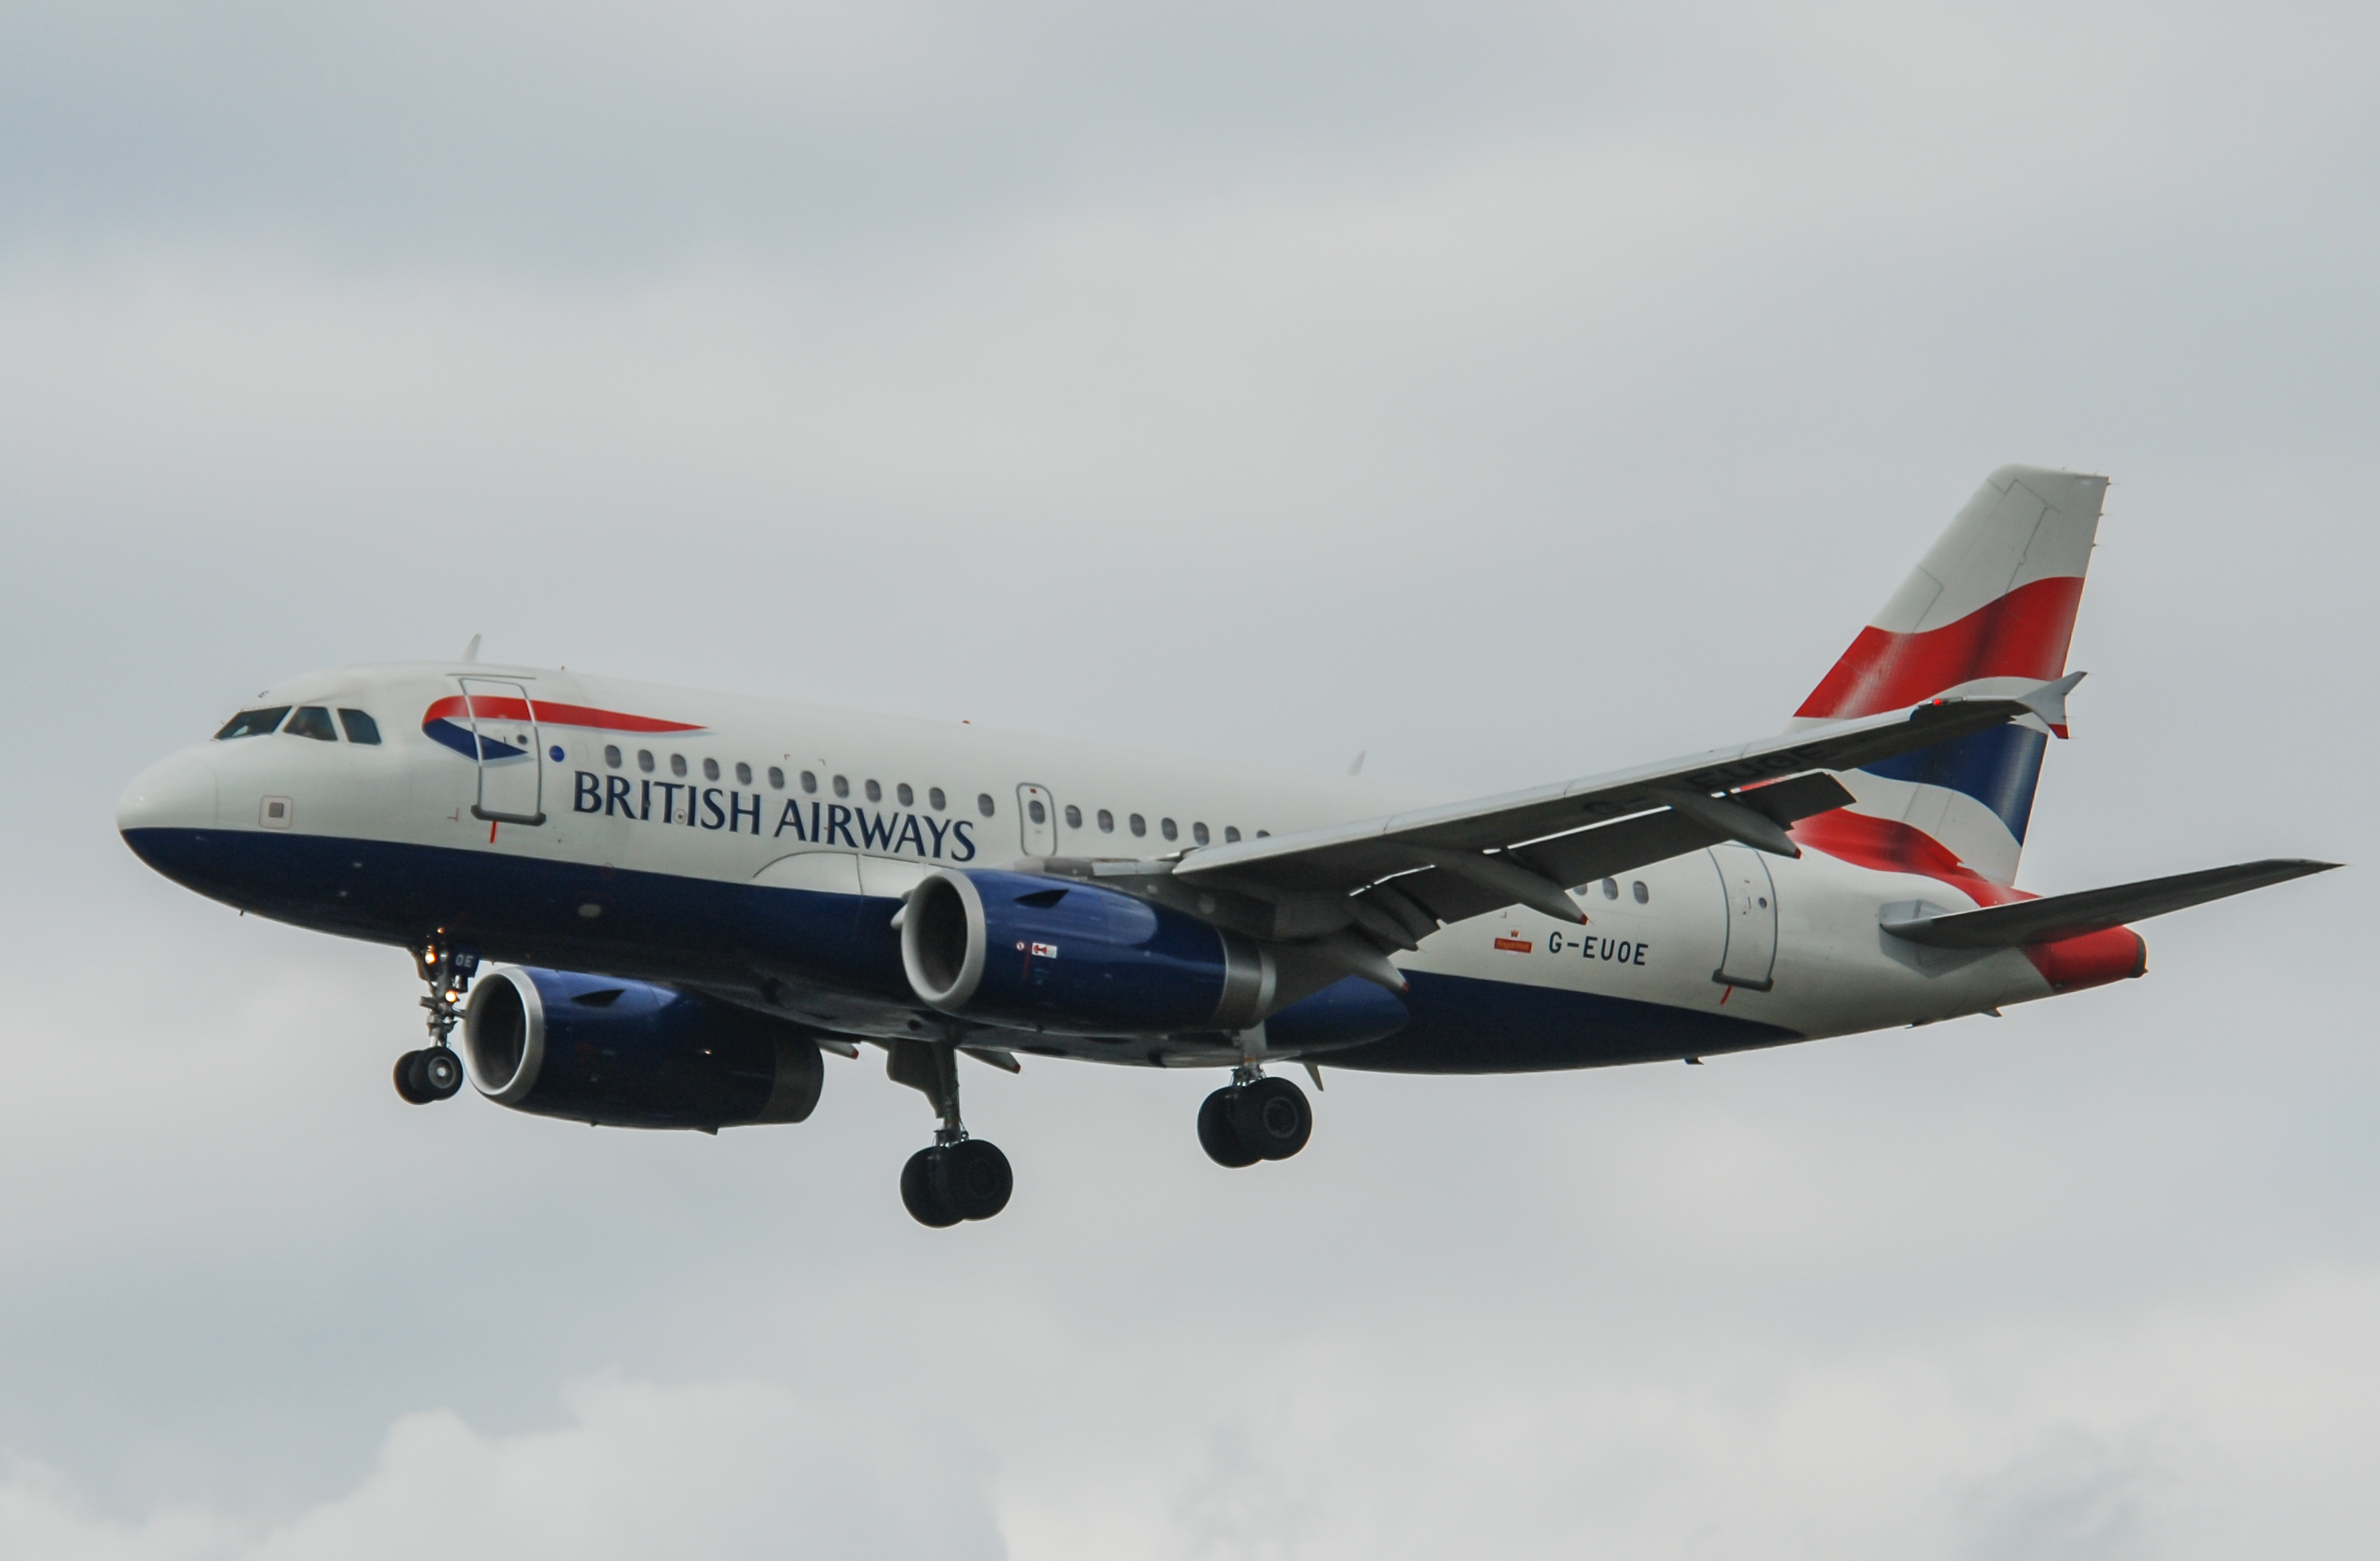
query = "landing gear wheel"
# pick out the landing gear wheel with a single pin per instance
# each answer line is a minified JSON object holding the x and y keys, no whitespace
{"x":1271,"y":1119}
{"x":1216,"y":1133}
{"x":972,"y":1177}
{"x":440,"y":1072}
{"x":920,"y":1196}
{"x":408,"y":1085}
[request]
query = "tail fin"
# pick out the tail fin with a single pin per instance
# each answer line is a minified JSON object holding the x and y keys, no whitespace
{"x":1989,"y":609}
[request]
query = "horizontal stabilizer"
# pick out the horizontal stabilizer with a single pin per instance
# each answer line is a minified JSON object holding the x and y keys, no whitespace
{"x":2093,"y":910}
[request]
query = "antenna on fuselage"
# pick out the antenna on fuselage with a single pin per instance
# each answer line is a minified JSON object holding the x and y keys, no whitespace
{"x":471,"y":651}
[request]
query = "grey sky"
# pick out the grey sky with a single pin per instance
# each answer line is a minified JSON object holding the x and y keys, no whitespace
{"x":1511,"y":392}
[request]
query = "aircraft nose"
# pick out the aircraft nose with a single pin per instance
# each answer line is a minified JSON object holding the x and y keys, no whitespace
{"x":176,"y":794}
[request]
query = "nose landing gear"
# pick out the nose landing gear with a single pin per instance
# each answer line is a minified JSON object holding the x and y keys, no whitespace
{"x":1253,"y":1119}
{"x":435,"y":1072}
{"x":959,"y":1177}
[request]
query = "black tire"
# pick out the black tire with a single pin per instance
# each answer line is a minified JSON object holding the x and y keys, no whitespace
{"x":972,"y":1177}
{"x":1272,"y":1120}
{"x":408,"y":1080}
{"x":920,"y":1196}
{"x":440,"y":1072}
{"x":1216,"y":1133}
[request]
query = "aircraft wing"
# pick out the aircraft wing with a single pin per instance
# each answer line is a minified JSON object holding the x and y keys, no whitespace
{"x":2093,"y":910}
{"x":1399,"y":877}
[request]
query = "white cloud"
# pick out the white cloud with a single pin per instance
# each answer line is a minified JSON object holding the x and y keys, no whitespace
{"x":717,"y":1469}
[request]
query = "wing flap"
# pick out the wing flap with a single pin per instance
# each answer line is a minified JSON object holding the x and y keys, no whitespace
{"x":2095,"y":910}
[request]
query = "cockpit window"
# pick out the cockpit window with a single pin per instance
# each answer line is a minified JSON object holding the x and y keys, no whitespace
{"x":360,"y":727}
{"x":251,"y":724}
{"x":311,"y":720}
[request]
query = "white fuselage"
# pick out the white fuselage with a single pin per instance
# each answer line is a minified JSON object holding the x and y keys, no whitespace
{"x":718,"y":793}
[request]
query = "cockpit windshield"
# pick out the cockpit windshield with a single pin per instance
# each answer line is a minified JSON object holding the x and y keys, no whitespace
{"x":252,"y":723}
{"x":311,"y":720}
{"x":360,"y":727}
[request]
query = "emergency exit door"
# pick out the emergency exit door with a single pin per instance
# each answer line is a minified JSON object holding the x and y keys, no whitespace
{"x":1750,"y":959}
{"x":503,"y":727}
{"x":1037,"y":818}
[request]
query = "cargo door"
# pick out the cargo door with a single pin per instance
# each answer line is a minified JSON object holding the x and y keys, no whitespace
{"x":1750,"y":959}
{"x":503,"y":729}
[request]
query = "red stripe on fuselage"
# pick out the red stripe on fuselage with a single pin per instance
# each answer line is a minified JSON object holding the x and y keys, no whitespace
{"x":2023,"y":634}
{"x":1887,"y":845}
{"x":546,"y":712}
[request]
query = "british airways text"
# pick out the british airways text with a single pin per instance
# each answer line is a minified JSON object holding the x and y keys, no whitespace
{"x":816,"y":823}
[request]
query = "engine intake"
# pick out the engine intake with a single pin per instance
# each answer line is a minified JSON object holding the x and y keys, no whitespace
{"x":629,"y":1054}
{"x":1075,"y":958}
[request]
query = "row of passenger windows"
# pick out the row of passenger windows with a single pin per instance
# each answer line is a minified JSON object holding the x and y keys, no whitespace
{"x":904,"y":792}
{"x":1199,"y":833}
{"x":306,"y":720}
{"x":1611,"y":891}
{"x":907,"y":797}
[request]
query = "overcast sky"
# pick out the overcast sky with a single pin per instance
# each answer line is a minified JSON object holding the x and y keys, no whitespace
{"x":1510,"y":391}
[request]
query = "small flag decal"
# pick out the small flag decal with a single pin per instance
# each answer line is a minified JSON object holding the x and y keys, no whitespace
{"x":1045,"y":951}
{"x":1517,"y":945}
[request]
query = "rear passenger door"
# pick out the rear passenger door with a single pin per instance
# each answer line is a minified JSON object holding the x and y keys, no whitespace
{"x":512,"y":787}
{"x":1750,"y":960}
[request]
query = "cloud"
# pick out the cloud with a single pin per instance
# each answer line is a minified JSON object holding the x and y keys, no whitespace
{"x":714,"y":1470}
{"x":1511,"y":393}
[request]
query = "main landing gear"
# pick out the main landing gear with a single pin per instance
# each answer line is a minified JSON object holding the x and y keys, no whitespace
{"x":1253,"y":1119}
{"x":435,"y":1072}
{"x":960,"y":1178}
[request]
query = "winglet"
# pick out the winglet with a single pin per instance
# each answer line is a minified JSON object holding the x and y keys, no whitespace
{"x":2049,"y":701}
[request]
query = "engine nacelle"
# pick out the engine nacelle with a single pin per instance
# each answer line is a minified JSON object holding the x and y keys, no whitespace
{"x":1075,"y":958}
{"x":627,"y":1053}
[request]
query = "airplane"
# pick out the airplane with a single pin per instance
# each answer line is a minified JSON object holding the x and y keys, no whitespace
{"x":657,"y":907}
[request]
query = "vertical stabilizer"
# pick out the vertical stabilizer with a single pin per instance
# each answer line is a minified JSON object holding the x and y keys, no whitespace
{"x":1989,"y":609}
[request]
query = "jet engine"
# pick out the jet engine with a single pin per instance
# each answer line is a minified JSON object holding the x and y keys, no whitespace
{"x":627,"y":1053}
{"x":1075,"y":958}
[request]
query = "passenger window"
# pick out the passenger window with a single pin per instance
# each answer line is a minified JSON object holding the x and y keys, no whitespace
{"x":875,"y":792}
{"x":711,"y":769}
{"x":1644,"y":895}
{"x":1198,"y":833}
{"x":1040,"y":814}
{"x":776,"y":779}
{"x":742,"y":773}
{"x":809,"y":782}
{"x":677,"y":764}
{"x":983,"y":804}
{"x":1074,"y":817}
{"x":360,"y":727}
{"x":936,"y":798}
{"x":1139,"y":824}
{"x":1611,"y":889}
{"x":842,"y":787}
{"x":1264,"y":834}
{"x":908,"y":798}
{"x":1107,"y":822}
{"x":612,"y":755}
{"x":645,"y":760}
{"x":1165,"y":827}
{"x":1231,"y":834}
{"x":251,"y":724}
{"x":311,"y":720}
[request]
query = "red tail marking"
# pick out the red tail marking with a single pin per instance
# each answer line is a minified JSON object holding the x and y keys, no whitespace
{"x":2023,"y":634}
